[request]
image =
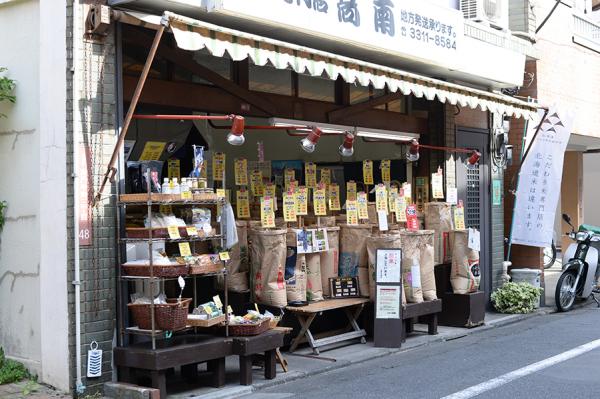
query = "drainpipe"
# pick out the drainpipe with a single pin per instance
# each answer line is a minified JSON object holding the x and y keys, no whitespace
{"x":80,"y":388}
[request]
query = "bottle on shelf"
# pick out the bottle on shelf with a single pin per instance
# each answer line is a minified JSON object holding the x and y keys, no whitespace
{"x":166,"y":186}
{"x":176,"y":187}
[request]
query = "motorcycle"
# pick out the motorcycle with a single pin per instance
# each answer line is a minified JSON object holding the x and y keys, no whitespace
{"x":580,"y":267}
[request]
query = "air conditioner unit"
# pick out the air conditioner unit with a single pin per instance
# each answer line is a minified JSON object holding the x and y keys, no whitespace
{"x":493,"y":13}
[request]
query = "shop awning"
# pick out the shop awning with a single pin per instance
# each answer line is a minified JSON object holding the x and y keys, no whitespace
{"x":194,"y":35}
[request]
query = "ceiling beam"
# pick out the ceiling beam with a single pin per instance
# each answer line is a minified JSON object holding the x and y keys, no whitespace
{"x":339,"y":114}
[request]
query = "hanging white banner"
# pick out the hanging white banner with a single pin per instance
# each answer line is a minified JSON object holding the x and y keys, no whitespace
{"x":540,"y":180}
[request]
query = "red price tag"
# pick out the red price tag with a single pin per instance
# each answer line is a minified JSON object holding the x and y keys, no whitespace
{"x":412,"y":223}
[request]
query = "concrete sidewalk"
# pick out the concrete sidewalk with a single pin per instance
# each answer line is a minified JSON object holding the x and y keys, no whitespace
{"x":301,"y":366}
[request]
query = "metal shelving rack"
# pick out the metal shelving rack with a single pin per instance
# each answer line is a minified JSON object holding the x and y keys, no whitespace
{"x":154,"y":333}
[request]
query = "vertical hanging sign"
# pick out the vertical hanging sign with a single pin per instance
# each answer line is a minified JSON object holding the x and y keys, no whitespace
{"x":241,"y":172}
{"x":310,"y":172}
{"x":218,"y":166}
{"x":368,"y":171}
{"x":385,"y":171}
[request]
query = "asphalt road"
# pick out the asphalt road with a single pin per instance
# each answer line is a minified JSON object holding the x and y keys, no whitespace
{"x":448,"y":368}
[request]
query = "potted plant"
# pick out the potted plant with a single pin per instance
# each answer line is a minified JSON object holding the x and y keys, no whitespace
{"x":516,"y":298}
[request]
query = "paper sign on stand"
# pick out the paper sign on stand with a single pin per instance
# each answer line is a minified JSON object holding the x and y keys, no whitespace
{"x":412,"y":222}
{"x":392,"y":199}
{"x":407,"y":187}
{"x":174,"y":168}
{"x":289,"y":175}
{"x":256,"y":183}
{"x":173,"y":232}
{"x":319,"y":202}
{"x":325,"y":176}
{"x":184,"y":249}
{"x":270,"y":191}
{"x":437,"y":184}
{"x":401,"y":209}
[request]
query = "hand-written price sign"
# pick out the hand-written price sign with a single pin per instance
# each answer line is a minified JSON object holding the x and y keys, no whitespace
{"x":241,"y":172}
{"x":319,"y":202}
{"x":289,"y":207}
{"x":351,"y":190}
{"x":385,"y":170}
{"x":412,"y":223}
{"x":381,"y":200}
{"x":256,"y":183}
{"x":218,"y":166}
{"x":302,"y":201}
{"x":334,"y":197}
{"x":310,"y":171}
{"x":243,"y":204}
{"x":368,"y":172}
{"x":351,"y":213}
{"x":267,"y":212}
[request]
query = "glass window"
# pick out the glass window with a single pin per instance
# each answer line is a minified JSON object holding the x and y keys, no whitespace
{"x":270,"y":80}
{"x":316,"y":88}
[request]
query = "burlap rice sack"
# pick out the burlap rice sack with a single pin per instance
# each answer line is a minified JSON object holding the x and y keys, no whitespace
{"x":353,"y":250}
{"x":268,"y":255}
{"x":330,"y":259}
{"x":314,"y":290}
{"x":438,"y":217}
{"x":363,"y":281}
{"x":374,"y":242}
{"x":238,"y":282}
{"x":237,"y":267}
{"x":295,"y":270}
{"x":465,"y":274}
{"x":319,"y":221}
{"x":295,"y":286}
{"x":418,"y":245}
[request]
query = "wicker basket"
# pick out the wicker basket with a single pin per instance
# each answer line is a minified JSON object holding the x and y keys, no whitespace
{"x":171,"y":316}
{"x":206,"y":323}
{"x":239,"y":330}
{"x":207,"y":264}
{"x":165,"y":271}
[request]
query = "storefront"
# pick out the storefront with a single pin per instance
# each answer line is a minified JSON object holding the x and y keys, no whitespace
{"x":325,"y":158}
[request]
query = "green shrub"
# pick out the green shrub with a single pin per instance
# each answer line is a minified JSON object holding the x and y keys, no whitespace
{"x":516,"y":298}
{"x":11,"y":371}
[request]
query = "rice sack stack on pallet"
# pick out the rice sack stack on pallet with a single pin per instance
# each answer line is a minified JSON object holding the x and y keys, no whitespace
{"x":465,"y":274}
{"x":438,"y":217}
{"x":330,"y":259}
{"x":268,"y":250}
{"x":418,"y":265}
{"x":375,"y":242}
{"x":353,"y":254}
{"x":295,"y":270}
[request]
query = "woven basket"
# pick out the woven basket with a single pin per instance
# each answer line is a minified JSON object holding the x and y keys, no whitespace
{"x":174,"y":270}
{"x":207,"y":264}
{"x":171,"y":316}
{"x":240,"y":330}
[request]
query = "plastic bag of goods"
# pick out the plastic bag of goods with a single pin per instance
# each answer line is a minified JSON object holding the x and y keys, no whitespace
{"x":418,"y":265}
{"x":330,"y":259}
{"x":465,"y":274}
{"x":353,"y":254}
{"x":375,"y":242}
{"x":268,"y":253}
{"x":314,"y":289}
{"x":237,"y":267}
{"x":295,"y":270}
{"x":438,"y":217}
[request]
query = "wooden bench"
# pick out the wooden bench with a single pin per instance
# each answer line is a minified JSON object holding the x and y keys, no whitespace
{"x":186,"y":351}
{"x":352,"y":307}
{"x":246,"y":348}
{"x":426,"y":312}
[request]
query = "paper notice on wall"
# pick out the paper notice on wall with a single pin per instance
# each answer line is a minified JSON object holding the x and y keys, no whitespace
{"x":351,"y":213}
{"x":241,"y":172}
{"x":363,"y":206}
{"x":385,"y":170}
{"x":302,"y":201}
{"x":388,"y":302}
{"x":310,"y":174}
{"x":368,"y":171}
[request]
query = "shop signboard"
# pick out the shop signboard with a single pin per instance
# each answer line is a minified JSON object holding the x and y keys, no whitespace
{"x":540,"y":180}
{"x":388,"y":302}
{"x":417,"y":30}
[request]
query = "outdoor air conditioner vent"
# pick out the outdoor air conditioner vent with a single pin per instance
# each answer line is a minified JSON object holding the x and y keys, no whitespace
{"x":493,"y":13}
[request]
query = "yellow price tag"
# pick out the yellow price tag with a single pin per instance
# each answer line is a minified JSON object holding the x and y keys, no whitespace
{"x":334,"y":197}
{"x":310,"y":171}
{"x":289,"y":175}
{"x":217,"y":300}
{"x":351,"y":190}
{"x":187,"y":195}
{"x":386,"y":165}
{"x":224,"y":256}
{"x":362,"y":206}
{"x":192,"y":231}
{"x":243,"y":204}
{"x":152,"y":150}
{"x":174,"y":168}
{"x":270,"y":191}
{"x":368,"y":172}
{"x":401,"y":208}
{"x":165,"y":209}
{"x":218,"y":166}
{"x":173,"y":232}
{"x":241,"y":172}
{"x":184,"y":249}
{"x":351,"y":213}
{"x":267,"y":212}
{"x":289,"y":207}
{"x":437,"y":184}
{"x":381,"y":198}
{"x":459,"y":217}
{"x":221,"y":193}
{"x":325,"y":176}
{"x":407,"y":187}
{"x":302,"y":201}
{"x":393,"y":194}
{"x":256,"y":183}
{"x":319,"y":202}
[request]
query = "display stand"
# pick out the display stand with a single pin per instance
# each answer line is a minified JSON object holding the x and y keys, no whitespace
{"x":458,"y":310}
{"x":388,"y":299}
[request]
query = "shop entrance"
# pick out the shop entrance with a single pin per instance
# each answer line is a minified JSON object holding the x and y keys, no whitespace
{"x":473,"y":189}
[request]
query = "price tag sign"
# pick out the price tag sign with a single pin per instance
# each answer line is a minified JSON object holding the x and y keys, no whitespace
{"x":459,"y":216}
{"x":325,"y":176}
{"x":289,"y":175}
{"x":270,"y":191}
{"x":301,"y":201}
{"x":217,"y":300}
{"x":218,"y":166}
{"x":243,"y":204}
{"x":351,"y":213}
{"x":173,"y":232}
{"x":412,"y":223}
{"x":401,"y":209}
{"x":267,"y":212}
{"x":334,"y":197}
{"x":351,"y":190}
{"x":362,"y":206}
{"x":310,"y":171}
{"x":187,"y":195}
{"x":437,"y":184}
{"x":452,"y":195}
{"x":192,"y":231}
{"x":241,"y":172}
{"x":381,"y":199}
{"x":319,"y":202}
{"x":407,"y":187}
{"x":165,"y":209}
{"x":184,"y":249}
{"x":174,"y":168}
{"x":152,"y":150}
{"x":393,"y":194}
{"x":368,"y":171}
{"x":256,"y":183}
{"x":386,"y":166}
{"x":289,"y":207}
{"x":224,"y":256}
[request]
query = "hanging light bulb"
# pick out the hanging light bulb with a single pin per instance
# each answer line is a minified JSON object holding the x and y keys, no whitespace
{"x":473,"y":161}
{"x":413,"y":152}
{"x":309,"y":143}
{"x":347,"y":148}
{"x":236,"y":136}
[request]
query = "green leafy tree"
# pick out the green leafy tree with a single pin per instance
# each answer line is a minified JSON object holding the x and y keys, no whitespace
{"x":7,"y":87}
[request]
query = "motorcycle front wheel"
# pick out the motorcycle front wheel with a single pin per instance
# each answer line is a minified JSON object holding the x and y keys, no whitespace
{"x":565,"y":291}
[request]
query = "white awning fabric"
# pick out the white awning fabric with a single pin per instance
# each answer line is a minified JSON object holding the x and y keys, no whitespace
{"x":194,"y":35}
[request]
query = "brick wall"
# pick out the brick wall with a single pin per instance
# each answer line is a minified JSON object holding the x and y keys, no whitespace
{"x":94,"y":127}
